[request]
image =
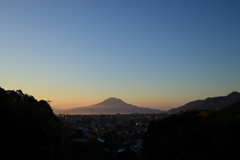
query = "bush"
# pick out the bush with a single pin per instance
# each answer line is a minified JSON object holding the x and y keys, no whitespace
{"x":194,"y":135}
{"x":29,"y":129}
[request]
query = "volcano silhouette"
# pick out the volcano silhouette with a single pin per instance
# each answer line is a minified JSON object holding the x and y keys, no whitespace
{"x":111,"y":105}
{"x":114,"y":102}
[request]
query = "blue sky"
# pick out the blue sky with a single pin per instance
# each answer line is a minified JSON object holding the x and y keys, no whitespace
{"x":158,"y":54}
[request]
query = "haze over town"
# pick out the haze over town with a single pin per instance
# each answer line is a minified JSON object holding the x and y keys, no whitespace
{"x":155,"y":54}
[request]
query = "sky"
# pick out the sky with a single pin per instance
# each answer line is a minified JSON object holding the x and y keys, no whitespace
{"x":159,"y":54}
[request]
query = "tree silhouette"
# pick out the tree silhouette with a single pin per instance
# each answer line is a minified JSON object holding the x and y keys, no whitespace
{"x":193,"y":135}
{"x":29,"y":128}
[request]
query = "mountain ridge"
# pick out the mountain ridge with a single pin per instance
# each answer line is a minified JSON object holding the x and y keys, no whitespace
{"x":111,"y":105}
{"x":212,"y":103}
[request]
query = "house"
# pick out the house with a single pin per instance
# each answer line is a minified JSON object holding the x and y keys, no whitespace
{"x":99,"y":131}
{"x":109,"y":125}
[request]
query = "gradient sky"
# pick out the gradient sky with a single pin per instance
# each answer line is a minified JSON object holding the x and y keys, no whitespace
{"x":151,"y":53}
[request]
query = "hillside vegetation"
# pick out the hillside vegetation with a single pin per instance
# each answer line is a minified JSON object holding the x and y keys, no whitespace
{"x":29,"y":129}
{"x":194,"y":135}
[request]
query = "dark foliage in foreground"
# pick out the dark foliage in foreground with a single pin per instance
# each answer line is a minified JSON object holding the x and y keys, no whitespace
{"x":127,"y":155}
{"x":29,"y":129}
{"x":194,"y":135}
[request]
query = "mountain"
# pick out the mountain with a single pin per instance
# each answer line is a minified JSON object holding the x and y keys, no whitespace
{"x":111,"y":105}
{"x":235,"y":107}
{"x":187,"y":106}
{"x":114,"y":102}
{"x":218,"y":103}
{"x":214,"y":103}
{"x":56,"y":110}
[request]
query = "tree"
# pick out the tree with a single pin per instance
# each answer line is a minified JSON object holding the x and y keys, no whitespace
{"x":193,"y":135}
{"x":29,"y":128}
{"x":127,"y":155}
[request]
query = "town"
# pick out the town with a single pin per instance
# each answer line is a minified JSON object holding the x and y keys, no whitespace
{"x":118,"y":132}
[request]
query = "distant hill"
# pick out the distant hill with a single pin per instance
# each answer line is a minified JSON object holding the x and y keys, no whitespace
{"x":215,"y":103}
{"x":57,"y":110}
{"x":235,"y":107}
{"x":111,"y":105}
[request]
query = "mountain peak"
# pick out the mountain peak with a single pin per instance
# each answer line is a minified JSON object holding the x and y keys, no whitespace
{"x":233,"y":93}
{"x":112,"y":101}
{"x":113,"y":98}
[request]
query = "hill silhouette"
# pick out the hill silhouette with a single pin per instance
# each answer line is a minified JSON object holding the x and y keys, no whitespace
{"x":29,"y":128}
{"x":214,"y":103}
{"x":233,"y":108}
{"x":111,"y":105}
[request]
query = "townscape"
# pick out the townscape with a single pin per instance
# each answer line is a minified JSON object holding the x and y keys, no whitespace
{"x":118,"y":132}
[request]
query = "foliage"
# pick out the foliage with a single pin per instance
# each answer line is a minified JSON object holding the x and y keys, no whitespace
{"x":29,"y":128}
{"x":194,"y":134}
{"x":77,"y":133}
{"x":112,"y":140}
{"x":127,"y":155}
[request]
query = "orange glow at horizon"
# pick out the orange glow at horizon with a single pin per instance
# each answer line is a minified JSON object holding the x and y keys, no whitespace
{"x":68,"y":105}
